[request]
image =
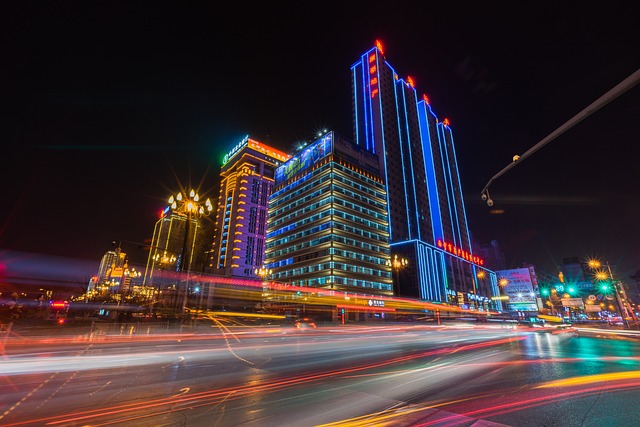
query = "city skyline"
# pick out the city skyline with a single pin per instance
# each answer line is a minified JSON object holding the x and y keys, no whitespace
{"x":109,"y":120}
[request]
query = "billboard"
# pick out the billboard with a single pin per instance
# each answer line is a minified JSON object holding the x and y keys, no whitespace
{"x":305,"y":158}
{"x":519,"y":289}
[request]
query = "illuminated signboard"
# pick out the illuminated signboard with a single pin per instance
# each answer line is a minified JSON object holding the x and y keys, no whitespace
{"x":258,"y":146}
{"x":452,"y":249}
{"x":373,"y":82}
{"x":235,"y":150}
{"x":269,"y":151}
{"x":375,"y":303}
{"x":305,"y":159}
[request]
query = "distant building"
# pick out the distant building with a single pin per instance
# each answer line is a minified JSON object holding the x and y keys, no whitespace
{"x":110,"y":272}
{"x":246,"y":182}
{"x":328,"y":225}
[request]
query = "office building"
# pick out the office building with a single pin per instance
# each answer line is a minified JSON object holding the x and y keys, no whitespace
{"x":328,"y":225}
{"x":427,"y":218}
{"x":246,"y":182}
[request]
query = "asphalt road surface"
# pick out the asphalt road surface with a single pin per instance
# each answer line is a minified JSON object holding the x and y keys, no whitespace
{"x":386,"y":375}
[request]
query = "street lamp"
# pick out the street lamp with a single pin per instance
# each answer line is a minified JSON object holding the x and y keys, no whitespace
{"x":263,"y":272}
{"x":191,"y":209}
{"x":397,"y":264}
{"x":602,"y":275}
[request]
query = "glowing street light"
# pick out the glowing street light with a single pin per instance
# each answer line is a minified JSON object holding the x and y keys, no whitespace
{"x":191,"y":209}
{"x":397,"y":264}
{"x":605,"y":275}
{"x":263,"y":272}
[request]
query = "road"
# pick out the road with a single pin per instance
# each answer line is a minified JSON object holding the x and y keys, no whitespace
{"x":381,"y":375}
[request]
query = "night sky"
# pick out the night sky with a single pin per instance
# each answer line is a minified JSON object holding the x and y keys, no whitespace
{"x":110,"y":107}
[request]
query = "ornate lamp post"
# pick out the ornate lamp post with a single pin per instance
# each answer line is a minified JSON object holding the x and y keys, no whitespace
{"x":191,"y":209}
{"x":397,"y":264}
{"x":263,"y":272}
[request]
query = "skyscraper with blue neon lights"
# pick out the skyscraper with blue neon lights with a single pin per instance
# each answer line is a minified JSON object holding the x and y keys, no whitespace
{"x":427,"y":218}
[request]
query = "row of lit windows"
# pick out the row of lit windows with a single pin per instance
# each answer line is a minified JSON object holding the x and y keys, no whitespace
{"x":328,"y":266}
{"x":336,"y":225}
{"x":372,"y":183}
{"x":360,"y":198}
{"x":350,"y":205}
{"x":333,"y":251}
{"x":318,"y":179}
{"x":280,"y":219}
{"x":320,"y":215}
{"x":357,"y":231}
{"x":374,"y":188}
{"x":296,"y":236}
{"x":358,"y":220}
{"x":359,"y":256}
{"x":307,"y":220}
{"x":380,"y":193}
{"x":323,"y":281}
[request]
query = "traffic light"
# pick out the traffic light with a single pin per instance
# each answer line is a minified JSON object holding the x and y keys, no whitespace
{"x":544,"y":292}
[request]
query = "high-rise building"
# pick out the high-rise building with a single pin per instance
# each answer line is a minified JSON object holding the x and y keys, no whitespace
{"x":427,"y":218}
{"x":328,"y":225}
{"x":246,"y":182}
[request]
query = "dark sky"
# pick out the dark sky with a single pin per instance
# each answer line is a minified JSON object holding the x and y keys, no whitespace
{"x":110,"y":107}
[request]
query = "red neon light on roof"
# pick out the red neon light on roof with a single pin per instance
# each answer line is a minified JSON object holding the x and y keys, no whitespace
{"x":410,"y":81}
{"x":425,"y":98}
{"x":379,"y":46}
{"x":445,"y":122}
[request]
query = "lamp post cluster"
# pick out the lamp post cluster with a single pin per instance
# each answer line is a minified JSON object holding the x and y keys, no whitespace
{"x":191,"y":209}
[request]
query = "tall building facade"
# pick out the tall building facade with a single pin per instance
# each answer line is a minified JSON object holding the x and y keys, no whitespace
{"x":427,"y":218}
{"x":328,"y":225}
{"x":246,"y":181}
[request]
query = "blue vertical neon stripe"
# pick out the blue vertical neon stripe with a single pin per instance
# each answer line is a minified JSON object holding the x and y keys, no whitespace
{"x":432,"y":185}
{"x":451,"y":196}
{"x":412,"y":93}
{"x":445,"y":177}
{"x":460,"y":194}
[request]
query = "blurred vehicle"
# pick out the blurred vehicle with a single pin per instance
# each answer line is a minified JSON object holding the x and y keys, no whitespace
{"x":532,"y":322}
{"x":305,"y":323}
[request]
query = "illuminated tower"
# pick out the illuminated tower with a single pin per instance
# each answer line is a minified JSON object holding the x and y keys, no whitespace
{"x":427,"y":219}
{"x":246,"y":181}
{"x":328,"y":223}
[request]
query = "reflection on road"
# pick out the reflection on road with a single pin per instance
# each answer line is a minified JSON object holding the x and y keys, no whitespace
{"x":406,"y":375}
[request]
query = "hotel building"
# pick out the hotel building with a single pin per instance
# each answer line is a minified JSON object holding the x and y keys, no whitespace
{"x":328,"y":225}
{"x":246,"y":182}
{"x":417,"y":160}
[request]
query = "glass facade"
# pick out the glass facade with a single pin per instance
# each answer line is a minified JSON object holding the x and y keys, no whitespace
{"x":328,"y":225}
